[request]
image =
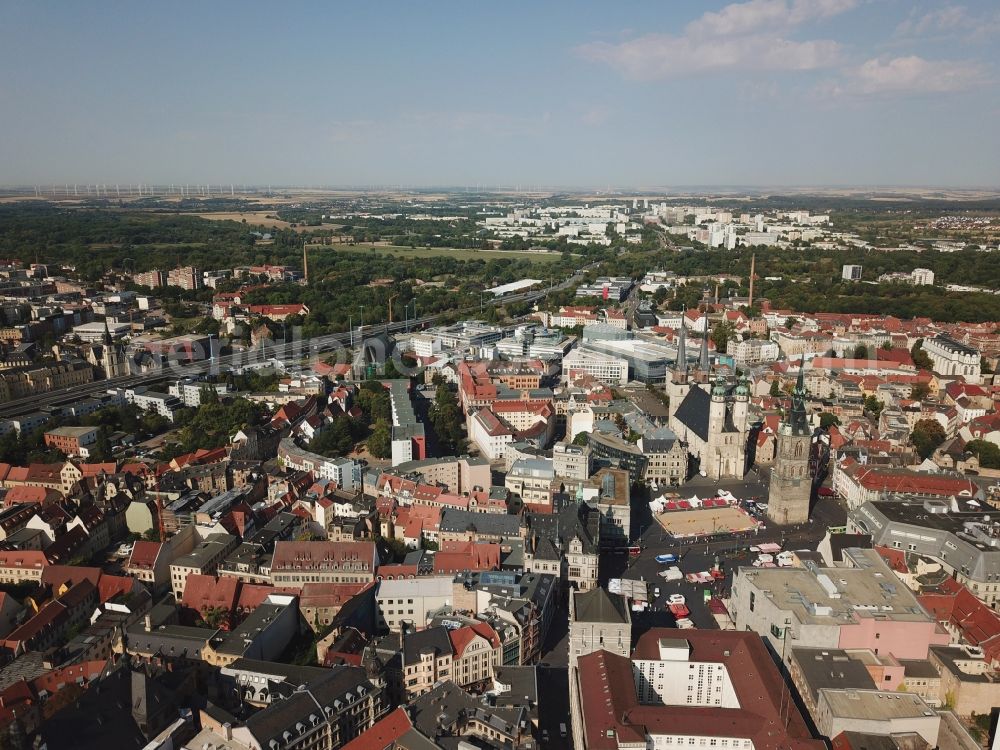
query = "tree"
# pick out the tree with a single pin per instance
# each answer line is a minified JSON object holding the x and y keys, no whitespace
{"x":336,"y":439}
{"x":152,"y":535}
{"x":446,"y":419}
{"x":380,"y":441}
{"x":775,"y":388}
{"x":214,"y":617}
{"x":920,"y":391}
{"x":927,"y":435}
{"x":873,"y":405}
{"x":581,"y":438}
{"x":828,"y":420}
{"x":861,"y":352}
{"x":721,"y":334}
{"x":887,"y":345}
{"x":920,"y":358}
{"x":988,"y":453}
{"x":790,"y":322}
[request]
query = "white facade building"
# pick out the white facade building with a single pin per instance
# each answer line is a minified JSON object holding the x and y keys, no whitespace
{"x":949,"y":357}
{"x":412,"y":600}
{"x":605,"y":367}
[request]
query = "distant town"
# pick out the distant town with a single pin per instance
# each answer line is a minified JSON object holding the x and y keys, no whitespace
{"x":296,"y":470}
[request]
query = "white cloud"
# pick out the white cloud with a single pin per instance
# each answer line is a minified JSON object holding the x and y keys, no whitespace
{"x":743,"y":18}
{"x":908,"y":75}
{"x":949,"y":21}
{"x":746,"y":36}
{"x":660,"y":56}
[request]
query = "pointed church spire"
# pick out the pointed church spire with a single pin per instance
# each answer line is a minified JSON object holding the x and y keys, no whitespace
{"x":797,"y":418}
{"x":705,"y":363}
{"x":681,"y":364}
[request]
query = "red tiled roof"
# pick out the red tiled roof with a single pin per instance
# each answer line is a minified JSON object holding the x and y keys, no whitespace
{"x":955,"y":604}
{"x":144,"y":555}
{"x":57,"y":575}
{"x":912,"y":482}
{"x":24,"y":493}
{"x":309,"y":555}
{"x":384,"y":733}
{"x":767,"y":715}
{"x":111,"y":586}
{"x":202,"y":592}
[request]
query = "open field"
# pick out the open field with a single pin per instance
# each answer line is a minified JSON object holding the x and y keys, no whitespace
{"x":685,"y":523}
{"x":436,"y":252}
{"x":255,"y":218}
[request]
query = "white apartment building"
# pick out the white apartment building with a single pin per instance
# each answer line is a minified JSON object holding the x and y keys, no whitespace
{"x":754,"y":352}
{"x":425,"y":346}
{"x":531,"y":479}
{"x":922,"y":277}
{"x":571,"y":461}
{"x":605,"y":367}
{"x":949,"y":357}
{"x":412,"y":600}
{"x":162,"y":403}
{"x":851,"y":273}
{"x":490,"y":435}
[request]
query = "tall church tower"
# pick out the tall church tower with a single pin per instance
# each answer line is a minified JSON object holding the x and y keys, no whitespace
{"x":677,"y":385}
{"x":791,"y":484}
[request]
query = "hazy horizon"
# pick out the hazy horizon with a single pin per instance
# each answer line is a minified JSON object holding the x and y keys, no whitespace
{"x":757,"y":95}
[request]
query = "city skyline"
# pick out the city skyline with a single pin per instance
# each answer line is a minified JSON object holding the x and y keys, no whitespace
{"x":759,"y":93}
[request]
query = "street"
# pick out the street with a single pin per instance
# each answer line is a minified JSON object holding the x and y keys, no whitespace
{"x":553,"y":707}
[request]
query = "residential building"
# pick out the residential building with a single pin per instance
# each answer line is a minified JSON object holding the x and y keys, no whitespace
{"x":152,"y":279}
{"x":969,"y":683}
{"x":345,"y":472}
{"x":571,"y":461}
{"x":531,"y":480}
{"x":298,"y":563}
{"x":73,"y":441}
{"x":851,"y":273}
{"x":204,"y":559}
{"x":325,"y":713}
{"x":186,"y":277}
{"x":749,"y":352}
{"x":565,"y":544}
{"x":412,"y":601}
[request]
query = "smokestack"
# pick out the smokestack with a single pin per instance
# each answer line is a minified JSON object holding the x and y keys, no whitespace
{"x":753,"y":266}
{"x":305,"y":264}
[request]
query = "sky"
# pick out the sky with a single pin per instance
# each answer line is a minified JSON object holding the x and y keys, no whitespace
{"x":512,"y":94}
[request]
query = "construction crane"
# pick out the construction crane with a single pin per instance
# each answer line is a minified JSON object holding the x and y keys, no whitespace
{"x":390,"y":305}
